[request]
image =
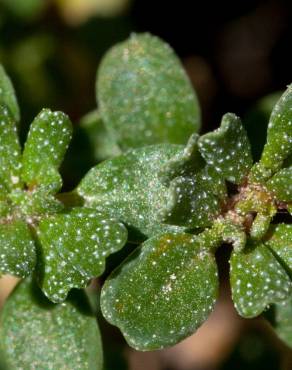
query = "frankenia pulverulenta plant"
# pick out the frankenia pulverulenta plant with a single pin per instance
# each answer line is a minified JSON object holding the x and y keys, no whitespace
{"x":180,"y":196}
{"x":184,"y":202}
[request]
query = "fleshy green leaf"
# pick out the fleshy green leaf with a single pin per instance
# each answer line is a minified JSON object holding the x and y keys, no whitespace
{"x":189,"y":163}
{"x":83,"y":237}
{"x":47,"y":142}
{"x":257,"y":280}
{"x":163,"y":291}
{"x":186,"y":163}
{"x":9,"y":152}
{"x":227,"y":149}
{"x":279,"y":136}
{"x":17,"y":249}
{"x":7,"y":95}
{"x":194,"y":188}
{"x":191,"y":204}
{"x":56,"y":277}
{"x":280,"y":242}
{"x":281,"y":185}
{"x":36,"y":334}
{"x":128,"y":188}
{"x":144,"y":94}
{"x":282,"y":321}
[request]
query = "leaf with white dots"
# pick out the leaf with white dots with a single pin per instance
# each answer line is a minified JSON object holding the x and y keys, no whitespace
{"x":279,"y":135}
{"x":281,"y":185}
{"x":47,"y":142}
{"x":9,"y":152}
{"x":190,"y":203}
{"x":257,"y":280}
{"x":280,"y":241}
{"x":186,"y":163}
{"x":194,"y":188}
{"x":56,"y":276}
{"x":7,"y":95}
{"x":35,"y":203}
{"x":227,"y":149}
{"x":84,"y":238}
{"x":128,"y":188}
{"x":144,"y":94}
{"x":162,"y":292}
{"x":37,"y":334}
{"x":190,"y":163}
{"x":17,"y":249}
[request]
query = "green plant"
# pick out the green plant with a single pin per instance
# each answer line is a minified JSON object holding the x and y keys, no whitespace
{"x":179,"y":201}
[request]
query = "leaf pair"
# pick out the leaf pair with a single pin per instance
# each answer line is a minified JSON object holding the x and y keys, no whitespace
{"x":167,"y":288}
{"x":66,"y":245}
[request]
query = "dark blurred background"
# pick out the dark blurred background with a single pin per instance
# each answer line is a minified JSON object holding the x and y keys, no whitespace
{"x":234,"y":54}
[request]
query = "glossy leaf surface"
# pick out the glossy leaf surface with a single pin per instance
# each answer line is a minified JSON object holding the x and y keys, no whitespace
{"x":227,"y":149}
{"x":257,"y":280}
{"x":17,"y":249}
{"x":163,"y":291}
{"x":37,"y":334}
{"x":144,"y":94}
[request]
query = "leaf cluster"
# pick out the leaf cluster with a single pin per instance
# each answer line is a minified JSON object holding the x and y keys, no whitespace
{"x":175,"y":195}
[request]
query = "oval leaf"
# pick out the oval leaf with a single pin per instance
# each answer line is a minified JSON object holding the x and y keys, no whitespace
{"x":128,"y":188}
{"x":7,"y":95}
{"x":144,"y":94}
{"x":36,"y":334}
{"x":163,"y":291}
{"x":47,"y":142}
{"x":227,"y":149}
{"x":17,"y":249}
{"x":279,"y":135}
{"x":84,"y":237}
{"x":257,"y":280}
{"x":9,"y":152}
